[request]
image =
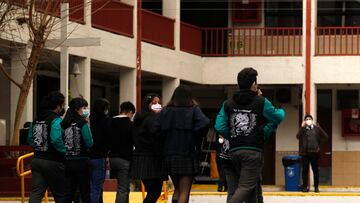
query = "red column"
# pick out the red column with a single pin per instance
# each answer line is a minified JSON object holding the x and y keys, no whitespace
{"x":308,"y":57}
{"x":138,"y":56}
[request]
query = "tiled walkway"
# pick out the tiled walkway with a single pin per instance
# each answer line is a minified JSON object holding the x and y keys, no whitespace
{"x":272,"y":194}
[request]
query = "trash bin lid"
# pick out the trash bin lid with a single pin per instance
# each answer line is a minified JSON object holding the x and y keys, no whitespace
{"x":291,"y":157}
{"x":291,"y":160}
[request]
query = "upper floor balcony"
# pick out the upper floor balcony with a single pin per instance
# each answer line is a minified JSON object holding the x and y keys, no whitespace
{"x":236,"y":40}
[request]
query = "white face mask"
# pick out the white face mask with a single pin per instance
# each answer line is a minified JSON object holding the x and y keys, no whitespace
{"x":86,"y":113}
{"x":308,"y":122}
{"x":156,"y":107}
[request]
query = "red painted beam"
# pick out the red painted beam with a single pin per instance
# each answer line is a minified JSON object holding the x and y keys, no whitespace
{"x":308,"y":57}
{"x":138,"y":56}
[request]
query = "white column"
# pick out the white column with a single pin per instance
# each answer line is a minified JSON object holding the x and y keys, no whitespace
{"x":18,"y":59}
{"x":81,"y":84}
{"x":87,"y":12}
{"x":130,"y":2}
{"x":313,"y":91}
{"x":313,"y":95}
{"x":64,"y":54}
{"x":168,"y":87}
{"x":171,"y":9}
{"x":128,"y":85}
{"x":312,"y":54}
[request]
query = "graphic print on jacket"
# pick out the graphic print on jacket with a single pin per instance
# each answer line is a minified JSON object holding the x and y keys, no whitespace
{"x":40,"y":133}
{"x":72,"y":139}
{"x":242,"y":123}
{"x":224,"y":153}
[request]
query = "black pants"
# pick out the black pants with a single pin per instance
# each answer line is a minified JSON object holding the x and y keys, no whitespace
{"x":313,"y":159}
{"x":46,"y":173}
{"x":222,"y":178}
{"x":77,"y":172}
{"x":153,"y":188}
{"x":248,"y":164}
{"x":232,"y":178}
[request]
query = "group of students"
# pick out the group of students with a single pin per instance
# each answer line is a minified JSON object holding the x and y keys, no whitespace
{"x":70,"y":151}
{"x":156,"y":143}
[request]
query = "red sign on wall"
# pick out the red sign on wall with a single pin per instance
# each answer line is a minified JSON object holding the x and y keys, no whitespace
{"x":350,"y":122}
{"x":246,"y":11}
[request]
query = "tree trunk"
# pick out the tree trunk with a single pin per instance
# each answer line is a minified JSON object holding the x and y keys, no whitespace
{"x":19,"y":111}
{"x":25,"y":88}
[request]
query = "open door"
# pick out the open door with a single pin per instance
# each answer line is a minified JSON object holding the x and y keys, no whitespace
{"x":324,"y":119}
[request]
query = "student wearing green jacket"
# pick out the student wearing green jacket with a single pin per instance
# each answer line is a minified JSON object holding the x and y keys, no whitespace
{"x":45,"y":136}
{"x":78,"y":140}
{"x":246,"y":120}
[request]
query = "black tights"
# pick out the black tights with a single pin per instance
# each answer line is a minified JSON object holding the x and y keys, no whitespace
{"x":182,"y":188}
{"x":153,"y":188}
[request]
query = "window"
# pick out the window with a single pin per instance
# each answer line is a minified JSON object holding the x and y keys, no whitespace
{"x":338,"y":13}
{"x":283,"y":13}
{"x":347,"y":99}
{"x":246,"y":11}
{"x":153,"y":6}
{"x":352,"y":15}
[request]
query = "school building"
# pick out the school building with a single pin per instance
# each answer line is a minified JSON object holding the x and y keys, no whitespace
{"x":306,"y":52}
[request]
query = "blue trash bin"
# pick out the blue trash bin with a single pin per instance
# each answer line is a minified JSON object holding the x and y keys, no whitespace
{"x":292,"y":172}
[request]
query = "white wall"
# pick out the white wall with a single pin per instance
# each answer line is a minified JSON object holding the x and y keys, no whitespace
{"x":340,"y":143}
{"x":333,"y":70}
{"x":286,"y":133}
{"x":272,"y":70}
{"x":172,"y":63}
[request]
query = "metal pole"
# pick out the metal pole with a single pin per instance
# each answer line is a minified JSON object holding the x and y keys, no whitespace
{"x":138,"y":56}
{"x":22,"y":182}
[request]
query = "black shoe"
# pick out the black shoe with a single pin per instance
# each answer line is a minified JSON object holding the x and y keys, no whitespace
{"x":317,"y":190}
{"x":304,"y":189}
{"x":220,"y":189}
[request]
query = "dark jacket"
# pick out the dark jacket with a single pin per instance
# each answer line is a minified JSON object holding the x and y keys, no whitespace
{"x":147,"y":139}
{"x":121,"y":139}
{"x":310,"y":139}
{"x":183,"y":128}
{"x":100,"y":130}
{"x":247,"y":119}
{"x":77,"y":135}
{"x":45,"y":136}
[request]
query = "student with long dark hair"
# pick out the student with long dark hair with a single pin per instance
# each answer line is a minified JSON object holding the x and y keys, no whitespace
{"x":78,"y":140}
{"x":100,"y":124}
{"x":147,"y":157}
{"x":45,"y":136}
{"x":182,"y":124}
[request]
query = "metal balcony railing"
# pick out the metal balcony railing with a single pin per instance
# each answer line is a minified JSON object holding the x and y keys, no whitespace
{"x":268,"y":41}
{"x":337,"y":41}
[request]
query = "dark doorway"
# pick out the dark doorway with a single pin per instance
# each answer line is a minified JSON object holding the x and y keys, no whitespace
{"x":210,"y":13}
{"x":153,"y":6}
{"x":324,"y":119}
{"x":43,"y":86}
{"x":268,"y":173}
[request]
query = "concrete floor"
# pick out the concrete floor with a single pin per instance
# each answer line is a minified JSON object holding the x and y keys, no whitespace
{"x":269,"y":197}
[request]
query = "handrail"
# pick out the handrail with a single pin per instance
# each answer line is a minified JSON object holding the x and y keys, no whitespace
{"x":247,"y":41}
{"x":20,"y":171}
{"x":162,"y":197}
{"x":337,"y":41}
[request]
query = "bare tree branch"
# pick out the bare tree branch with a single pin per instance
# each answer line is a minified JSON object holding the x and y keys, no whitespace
{"x":7,"y":75}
